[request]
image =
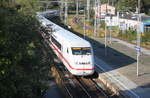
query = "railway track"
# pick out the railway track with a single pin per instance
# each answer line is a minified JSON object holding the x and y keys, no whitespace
{"x":94,"y":90}
{"x":75,"y":88}
{"x":81,"y":87}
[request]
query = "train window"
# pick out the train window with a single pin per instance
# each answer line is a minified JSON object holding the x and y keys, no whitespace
{"x":81,"y":50}
{"x":86,"y":51}
{"x":67,"y":50}
{"x":56,"y":43}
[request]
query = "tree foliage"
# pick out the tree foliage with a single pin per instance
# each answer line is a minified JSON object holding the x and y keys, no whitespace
{"x":29,"y":4}
{"x":145,"y":6}
{"x":130,"y":5}
{"x":21,"y":68}
{"x":127,"y":5}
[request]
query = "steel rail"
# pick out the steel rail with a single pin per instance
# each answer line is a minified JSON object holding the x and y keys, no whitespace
{"x":83,"y":87}
{"x":100,"y":89}
{"x":90,"y":81}
{"x":63,"y":81}
{"x":75,"y":80}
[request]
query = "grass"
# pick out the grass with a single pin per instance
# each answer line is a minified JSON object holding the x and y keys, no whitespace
{"x":90,"y":33}
{"x":129,"y":36}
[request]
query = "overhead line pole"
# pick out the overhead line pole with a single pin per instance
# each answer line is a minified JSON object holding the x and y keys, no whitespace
{"x":95,"y":20}
{"x":106,"y":32}
{"x":138,"y":48}
{"x":61,"y":9}
{"x":105,"y":38}
{"x":88,"y":9}
{"x":98,"y":10}
{"x":77,"y":7}
{"x":84,"y":24}
{"x":110,"y":28}
{"x":66,"y":12}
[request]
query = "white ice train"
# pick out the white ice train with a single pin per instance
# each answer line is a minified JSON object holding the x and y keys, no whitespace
{"x":75,"y":52}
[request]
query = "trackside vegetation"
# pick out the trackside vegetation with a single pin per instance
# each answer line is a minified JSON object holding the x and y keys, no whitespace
{"x":24,"y":63}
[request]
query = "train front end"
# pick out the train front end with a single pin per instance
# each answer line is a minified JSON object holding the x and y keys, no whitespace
{"x":82,"y":61}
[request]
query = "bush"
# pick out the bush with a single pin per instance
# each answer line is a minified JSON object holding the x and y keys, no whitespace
{"x":128,"y":35}
{"x":146,"y":37}
{"x":23,"y":61}
{"x":103,"y":24}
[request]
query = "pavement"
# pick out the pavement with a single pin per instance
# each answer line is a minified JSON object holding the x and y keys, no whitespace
{"x":119,"y":67}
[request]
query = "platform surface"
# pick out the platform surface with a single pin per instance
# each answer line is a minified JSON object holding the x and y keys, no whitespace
{"x":120,"y":66}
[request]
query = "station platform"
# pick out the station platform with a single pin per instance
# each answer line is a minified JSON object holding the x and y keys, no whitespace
{"x":119,"y":67}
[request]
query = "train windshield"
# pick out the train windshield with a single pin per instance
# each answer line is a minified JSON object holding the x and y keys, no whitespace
{"x":81,"y":50}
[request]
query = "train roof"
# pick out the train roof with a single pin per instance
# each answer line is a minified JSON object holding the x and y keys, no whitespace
{"x":54,"y":12}
{"x":64,"y":35}
{"x":68,"y":37}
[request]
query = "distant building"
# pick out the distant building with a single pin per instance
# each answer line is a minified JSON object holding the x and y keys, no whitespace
{"x":104,"y":9}
{"x":146,"y":24}
{"x":126,"y":22}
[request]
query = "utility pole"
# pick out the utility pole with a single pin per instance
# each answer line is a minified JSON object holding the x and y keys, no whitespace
{"x":99,"y":14}
{"x":138,"y":48}
{"x":46,"y":5}
{"x":108,"y":2}
{"x":77,"y":7}
{"x":106,"y":31}
{"x":88,"y":9}
{"x":61,"y":9}
{"x":95,"y":20}
{"x":84,"y":25}
{"x":105,"y":38}
{"x":112,"y":2}
{"x":110,"y":28}
{"x":66,"y":12}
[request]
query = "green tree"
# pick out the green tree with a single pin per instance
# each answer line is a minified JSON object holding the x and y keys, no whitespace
{"x":127,"y":5}
{"x":31,"y":5}
{"x":145,"y":6}
{"x":21,"y":68}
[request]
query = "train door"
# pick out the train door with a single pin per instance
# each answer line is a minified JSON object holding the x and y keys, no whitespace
{"x":65,"y":53}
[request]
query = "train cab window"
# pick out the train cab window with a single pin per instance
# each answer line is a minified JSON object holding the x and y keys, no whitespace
{"x":81,"y":50}
{"x":56,"y":43}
